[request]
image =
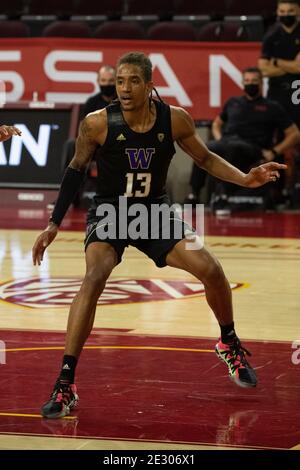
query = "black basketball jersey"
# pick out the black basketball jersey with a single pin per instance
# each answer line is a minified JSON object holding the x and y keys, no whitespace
{"x":134,"y":164}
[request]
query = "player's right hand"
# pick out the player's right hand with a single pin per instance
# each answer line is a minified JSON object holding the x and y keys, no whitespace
{"x":41,"y":243}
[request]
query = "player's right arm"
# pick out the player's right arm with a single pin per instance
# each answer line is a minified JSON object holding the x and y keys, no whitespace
{"x":92,"y":133}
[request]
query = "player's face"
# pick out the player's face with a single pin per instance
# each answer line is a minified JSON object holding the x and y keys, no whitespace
{"x":132,"y":90}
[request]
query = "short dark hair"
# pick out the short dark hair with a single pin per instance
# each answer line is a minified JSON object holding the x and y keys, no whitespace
{"x":253,"y":70}
{"x":141,"y":60}
{"x":296,"y":2}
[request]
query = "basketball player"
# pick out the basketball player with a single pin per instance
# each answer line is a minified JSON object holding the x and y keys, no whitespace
{"x":6,"y":132}
{"x":134,"y":143}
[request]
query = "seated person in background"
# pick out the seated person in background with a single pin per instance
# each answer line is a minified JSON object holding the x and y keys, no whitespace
{"x":244,"y":132}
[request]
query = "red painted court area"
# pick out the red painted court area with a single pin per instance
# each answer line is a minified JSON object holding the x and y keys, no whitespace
{"x":152,"y":388}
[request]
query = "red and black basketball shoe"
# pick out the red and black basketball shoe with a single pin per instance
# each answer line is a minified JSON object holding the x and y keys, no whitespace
{"x":233,"y":354}
{"x":62,"y":400}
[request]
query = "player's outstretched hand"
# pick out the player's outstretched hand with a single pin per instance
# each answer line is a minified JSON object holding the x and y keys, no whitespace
{"x":262,"y":174}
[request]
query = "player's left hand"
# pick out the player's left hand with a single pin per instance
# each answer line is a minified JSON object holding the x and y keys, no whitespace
{"x":262,"y":174}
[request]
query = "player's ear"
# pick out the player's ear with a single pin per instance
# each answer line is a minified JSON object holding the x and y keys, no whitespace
{"x":150,"y":87}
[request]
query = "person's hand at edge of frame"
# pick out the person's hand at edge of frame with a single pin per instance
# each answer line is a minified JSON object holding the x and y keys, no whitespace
{"x":6,"y":132}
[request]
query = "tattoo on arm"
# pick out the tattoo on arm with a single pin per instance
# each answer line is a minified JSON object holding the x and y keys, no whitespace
{"x":85,"y":146}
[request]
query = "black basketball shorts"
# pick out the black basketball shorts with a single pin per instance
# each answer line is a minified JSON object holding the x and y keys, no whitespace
{"x":154,"y":233}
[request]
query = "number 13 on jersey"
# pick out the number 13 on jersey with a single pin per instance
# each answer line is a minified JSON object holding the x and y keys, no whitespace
{"x":144,"y":181}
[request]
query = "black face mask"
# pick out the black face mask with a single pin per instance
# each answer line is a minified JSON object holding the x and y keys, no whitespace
{"x":252,"y":90}
{"x":288,"y":20}
{"x":107,"y":90}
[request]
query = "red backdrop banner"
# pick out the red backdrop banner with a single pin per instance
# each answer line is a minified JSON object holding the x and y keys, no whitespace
{"x":197,"y":76}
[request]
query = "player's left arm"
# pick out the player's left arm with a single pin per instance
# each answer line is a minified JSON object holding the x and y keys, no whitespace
{"x":185,"y":134}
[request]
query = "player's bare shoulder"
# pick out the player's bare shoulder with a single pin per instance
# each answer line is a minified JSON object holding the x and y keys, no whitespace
{"x":182,"y":123}
{"x":94,"y":126}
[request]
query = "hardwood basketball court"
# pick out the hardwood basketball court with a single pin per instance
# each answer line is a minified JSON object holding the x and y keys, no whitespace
{"x":148,"y":377}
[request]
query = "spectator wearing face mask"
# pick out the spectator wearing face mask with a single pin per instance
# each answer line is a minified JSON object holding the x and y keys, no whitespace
{"x":107,"y":90}
{"x":280,"y":58}
{"x":244,"y":133}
